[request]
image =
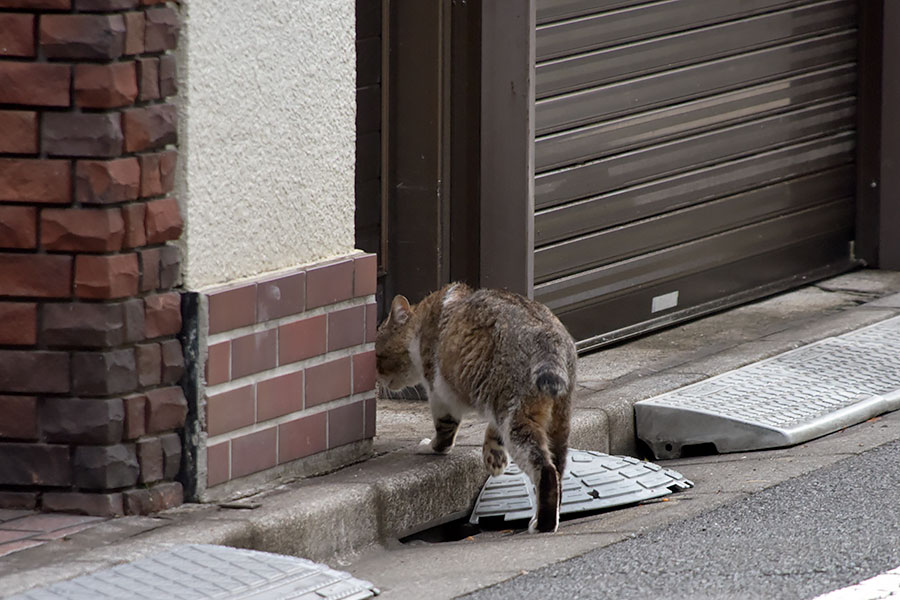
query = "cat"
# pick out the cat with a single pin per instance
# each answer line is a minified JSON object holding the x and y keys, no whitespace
{"x":497,"y":353}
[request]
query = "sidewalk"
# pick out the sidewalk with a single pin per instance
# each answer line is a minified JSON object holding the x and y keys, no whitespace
{"x":398,"y":491}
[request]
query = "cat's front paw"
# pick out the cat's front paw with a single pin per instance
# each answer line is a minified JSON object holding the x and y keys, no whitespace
{"x":495,"y":457}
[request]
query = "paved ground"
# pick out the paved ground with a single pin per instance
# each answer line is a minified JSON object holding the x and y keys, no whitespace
{"x":352,"y":518}
{"x":809,"y":535}
{"x":22,"y":529}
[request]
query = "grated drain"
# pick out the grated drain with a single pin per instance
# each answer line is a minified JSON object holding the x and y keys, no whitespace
{"x":788,"y":399}
{"x":593,"y":481}
{"x":197,"y":572}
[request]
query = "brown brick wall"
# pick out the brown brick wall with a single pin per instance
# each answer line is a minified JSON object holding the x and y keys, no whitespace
{"x":290,"y":367}
{"x":90,"y":364}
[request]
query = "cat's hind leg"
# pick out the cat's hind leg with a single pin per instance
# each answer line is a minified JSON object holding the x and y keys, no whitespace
{"x":493,"y":451}
{"x":526,"y":432}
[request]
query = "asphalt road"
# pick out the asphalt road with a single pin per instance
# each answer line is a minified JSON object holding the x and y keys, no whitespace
{"x":809,"y":535}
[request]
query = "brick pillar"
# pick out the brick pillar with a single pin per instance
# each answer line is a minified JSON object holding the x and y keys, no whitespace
{"x":90,"y":406}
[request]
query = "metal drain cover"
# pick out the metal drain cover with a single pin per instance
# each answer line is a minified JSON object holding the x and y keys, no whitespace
{"x":199,"y":572}
{"x":791,"y":398}
{"x":593,"y":481}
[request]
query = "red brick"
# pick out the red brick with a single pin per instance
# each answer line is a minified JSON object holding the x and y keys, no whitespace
{"x":301,"y":438}
{"x":149,"y":364}
{"x":371,"y":322}
{"x":328,"y":381}
{"x":136,"y":501}
{"x":98,"y":505}
{"x":134,"y":32}
{"x":167,"y":162}
{"x":135,"y":416}
{"x":151,"y":184}
{"x":20,"y":131}
{"x":346,"y":424}
{"x":107,"y":181}
{"x":253,"y":452}
{"x":149,"y":127}
{"x":40,"y":275}
{"x":169,"y":266}
{"x":104,"y":277}
{"x":218,"y":463}
{"x":18,"y":500}
{"x":86,"y":324}
{"x":17,"y":33}
{"x":172,"y":361}
{"x":171,"y":447}
{"x":149,"y":269}
{"x":168,"y":81}
{"x":19,"y":417}
{"x":35,"y":84}
{"x":82,"y":421}
{"x":346,"y":328}
{"x":82,"y":134}
{"x":39,"y":181}
{"x":281,"y":297}
{"x":150,"y":458}
{"x":34,"y":464}
{"x":104,"y":373}
{"x":253,"y":353}
{"x":134,"y":320}
{"x":230,"y":410}
{"x":82,"y":36}
{"x":163,"y":314}
{"x":165,"y":495}
{"x":328,"y":284}
{"x":105,"y":86}
{"x":18,"y":227}
{"x":152,"y":2}
{"x":160,"y":29}
{"x":82,"y":230}
{"x":105,"y":467}
{"x":166,"y":409}
{"x":136,"y":232}
{"x":365,"y":275}
{"x":18,"y":323}
{"x":105,"y":5}
{"x":232,"y":308}
{"x":37,"y":4}
{"x":302,"y":339}
{"x":148,"y":77}
{"x":218,"y":363}
{"x":163,"y":221}
{"x":369,"y":409}
{"x":279,"y":396}
{"x":364,"y":372}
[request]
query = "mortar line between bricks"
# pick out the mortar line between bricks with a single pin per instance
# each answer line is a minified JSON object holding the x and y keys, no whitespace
{"x":289,"y":368}
{"x":222,"y":336}
{"x":290,"y":417}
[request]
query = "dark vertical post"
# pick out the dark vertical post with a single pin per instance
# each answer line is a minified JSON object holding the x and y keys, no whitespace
{"x":415,"y":186}
{"x":889,"y":226}
{"x":507,"y":145}
{"x":878,"y":138}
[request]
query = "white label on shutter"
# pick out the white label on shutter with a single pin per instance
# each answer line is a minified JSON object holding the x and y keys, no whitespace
{"x":664,"y":302}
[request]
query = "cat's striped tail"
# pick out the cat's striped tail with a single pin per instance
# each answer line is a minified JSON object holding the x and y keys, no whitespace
{"x":551,"y":380}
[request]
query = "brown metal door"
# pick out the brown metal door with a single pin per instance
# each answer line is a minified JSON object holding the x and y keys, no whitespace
{"x":689,"y":155}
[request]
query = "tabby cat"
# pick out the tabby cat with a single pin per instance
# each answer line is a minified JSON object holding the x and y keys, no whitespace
{"x":497,"y":353}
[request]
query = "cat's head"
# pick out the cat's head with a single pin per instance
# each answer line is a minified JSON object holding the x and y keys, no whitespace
{"x":392,"y":358}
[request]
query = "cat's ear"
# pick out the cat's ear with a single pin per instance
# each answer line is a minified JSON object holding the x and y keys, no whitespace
{"x":400,"y":310}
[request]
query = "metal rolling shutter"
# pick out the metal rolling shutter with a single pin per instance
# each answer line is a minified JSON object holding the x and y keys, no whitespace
{"x":689,"y":154}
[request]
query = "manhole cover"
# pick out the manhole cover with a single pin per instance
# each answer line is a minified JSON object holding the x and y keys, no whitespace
{"x":593,"y":481}
{"x":210,"y":572}
{"x":785,"y":400}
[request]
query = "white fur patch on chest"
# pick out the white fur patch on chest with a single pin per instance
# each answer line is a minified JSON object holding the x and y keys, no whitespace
{"x":443,"y":393}
{"x":415,"y":357}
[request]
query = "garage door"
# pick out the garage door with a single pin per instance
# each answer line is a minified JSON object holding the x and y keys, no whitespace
{"x":689,"y":155}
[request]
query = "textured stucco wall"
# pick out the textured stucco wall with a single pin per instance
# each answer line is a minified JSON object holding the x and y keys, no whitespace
{"x":267,"y":130}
